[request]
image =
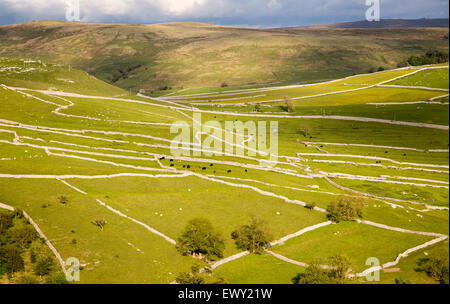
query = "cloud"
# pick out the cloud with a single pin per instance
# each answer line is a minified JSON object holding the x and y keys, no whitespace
{"x":228,"y":12}
{"x":273,"y":4}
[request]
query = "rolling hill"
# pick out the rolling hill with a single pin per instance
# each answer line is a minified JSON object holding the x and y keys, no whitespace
{"x":196,"y":55}
{"x":380,"y":139}
{"x":391,"y":23}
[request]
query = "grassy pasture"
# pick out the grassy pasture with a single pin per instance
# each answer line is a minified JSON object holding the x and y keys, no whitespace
{"x":107,"y":255}
{"x":354,"y":240}
{"x":146,"y":199}
{"x":428,"y":78}
{"x":126,"y":252}
{"x":258,"y":269}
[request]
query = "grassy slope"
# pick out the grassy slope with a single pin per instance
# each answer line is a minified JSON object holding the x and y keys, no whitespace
{"x":357,"y":241}
{"x":193,"y":55}
{"x":429,"y":78}
{"x":141,"y":197}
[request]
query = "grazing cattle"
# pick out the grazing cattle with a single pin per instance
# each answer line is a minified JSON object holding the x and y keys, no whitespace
{"x":188,"y":166}
{"x":171,"y":160}
{"x":172,"y":165}
{"x":229,"y":171}
{"x":204,"y":168}
{"x":211,"y":165}
{"x":246,"y":170}
{"x":184,"y":166}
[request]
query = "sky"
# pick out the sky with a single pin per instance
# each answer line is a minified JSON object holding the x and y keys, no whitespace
{"x":248,"y":13}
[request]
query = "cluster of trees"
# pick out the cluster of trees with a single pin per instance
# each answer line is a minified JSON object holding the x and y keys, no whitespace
{"x":334,"y":270}
{"x":15,"y":237}
{"x":345,"y":208}
{"x":165,"y":88}
{"x":436,"y":268}
{"x":431,"y":57}
{"x":202,"y":241}
{"x":17,"y":240}
{"x":373,"y":70}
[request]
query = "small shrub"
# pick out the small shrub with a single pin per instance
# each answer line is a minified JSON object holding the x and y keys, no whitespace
{"x":289,"y":104}
{"x":197,"y":277}
{"x":100,"y":223}
{"x":25,"y":279}
{"x":304,"y":130}
{"x":59,"y":279}
{"x":43,"y":266}
{"x":33,"y":256}
{"x":337,"y":273}
{"x":63,"y":199}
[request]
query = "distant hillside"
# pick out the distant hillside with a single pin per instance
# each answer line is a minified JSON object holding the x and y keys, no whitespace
{"x":391,"y":23}
{"x":192,"y":55}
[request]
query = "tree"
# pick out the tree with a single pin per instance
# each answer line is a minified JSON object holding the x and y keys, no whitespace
{"x":290,"y":104}
{"x":436,"y":268}
{"x":6,"y":221}
{"x":314,"y":274}
{"x":336,"y":272}
{"x":304,"y":129}
{"x":23,"y":235}
{"x":100,"y":223}
{"x":345,"y":209}
{"x":199,"y":239}
{"x":11,"y":256}
{"x":43,"y":266}
{"x":340,"y":268}
{"x":198,"y":276}
{"x":253,"y":237}
{"x":191,"y":278}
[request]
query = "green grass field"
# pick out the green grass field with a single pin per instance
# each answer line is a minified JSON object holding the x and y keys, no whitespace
{"x":63,"y":132}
